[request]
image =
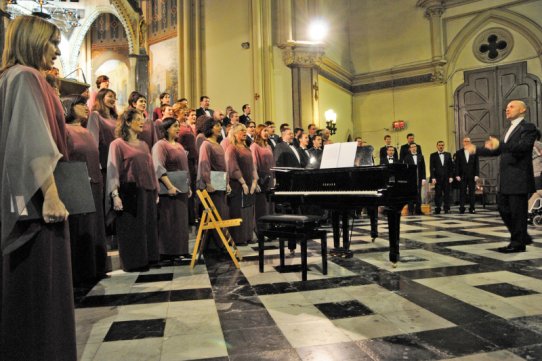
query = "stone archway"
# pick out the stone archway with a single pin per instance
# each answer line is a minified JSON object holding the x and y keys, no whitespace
{"x":79,"y":36}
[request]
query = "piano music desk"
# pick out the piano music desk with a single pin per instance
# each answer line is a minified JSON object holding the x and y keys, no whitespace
{"x":291,"y":227}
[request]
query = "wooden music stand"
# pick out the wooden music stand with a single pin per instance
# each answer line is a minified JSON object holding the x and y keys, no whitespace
{"x":211,"y":219}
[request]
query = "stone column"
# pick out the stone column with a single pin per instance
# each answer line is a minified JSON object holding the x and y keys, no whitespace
{"x":141,"y":62}
{"x":434,"y":9}
{"x":304,"y":58}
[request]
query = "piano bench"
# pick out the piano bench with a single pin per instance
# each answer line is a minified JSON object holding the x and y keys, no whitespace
{"x":291,"y":227}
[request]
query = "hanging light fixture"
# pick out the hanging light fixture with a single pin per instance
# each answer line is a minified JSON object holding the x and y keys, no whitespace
{"x":65,"y":19}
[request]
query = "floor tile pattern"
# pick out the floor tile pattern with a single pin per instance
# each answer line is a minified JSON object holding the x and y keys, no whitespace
{"x":452,"y":296}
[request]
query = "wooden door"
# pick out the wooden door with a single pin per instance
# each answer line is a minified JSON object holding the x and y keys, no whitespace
{"x":480,"y":103}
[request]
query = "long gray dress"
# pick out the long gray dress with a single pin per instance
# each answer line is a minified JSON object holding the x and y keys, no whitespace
{"x":241,"y":166}
{"x":37,"y":319}
{"x":173,"y":226}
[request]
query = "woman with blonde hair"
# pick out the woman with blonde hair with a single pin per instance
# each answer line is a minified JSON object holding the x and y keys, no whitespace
{"x":36,"y":295}
{"x":243,"y":183}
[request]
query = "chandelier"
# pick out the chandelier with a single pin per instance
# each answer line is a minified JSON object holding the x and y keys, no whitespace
{"x":64,"y":18}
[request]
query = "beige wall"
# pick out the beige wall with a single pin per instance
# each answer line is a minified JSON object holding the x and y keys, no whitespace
{"x":228,"y":67}
{"x":336,"y":13}
{"x":334,"y":97}
{"x":387,"y":33}
{"x":282,"y":79}
{"x":421,"y":107}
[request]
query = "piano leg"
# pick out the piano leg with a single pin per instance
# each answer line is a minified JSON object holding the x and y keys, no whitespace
{"x":336,"y":231}
{"x":372,"y":212}
{"x":394,"y":221}
{"x":335,"y":221}
{"x":346,"y":229}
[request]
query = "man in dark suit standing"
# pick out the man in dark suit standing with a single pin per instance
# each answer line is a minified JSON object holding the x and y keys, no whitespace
{"x":251,"y":129}
{"x":245,"y":118}
{"x":384,"y":150}
{"x":390,"y":157}
{"x":516,"y":174}
{"x":405,"y":148}
{"x":416,"y":159}
{"x":467,"y":170}
{"x":304,"y":149}
{"x":441,"y":169}
{"x":204,"y":109}
{"x":273,"y":139}
{"x":287,"y":155}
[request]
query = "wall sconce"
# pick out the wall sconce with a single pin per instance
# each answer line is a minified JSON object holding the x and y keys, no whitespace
{"x":331,"y":121}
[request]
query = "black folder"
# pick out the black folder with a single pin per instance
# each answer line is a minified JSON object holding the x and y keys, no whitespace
{"x":247,"y":200}
{"x":179,"y":178}
{"x":73,"y":184}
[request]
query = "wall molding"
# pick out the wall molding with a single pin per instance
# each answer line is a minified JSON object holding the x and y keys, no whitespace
{"x":415,"y":73}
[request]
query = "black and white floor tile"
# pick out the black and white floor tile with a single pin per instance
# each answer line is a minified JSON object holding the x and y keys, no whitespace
{"x":451,"y":297}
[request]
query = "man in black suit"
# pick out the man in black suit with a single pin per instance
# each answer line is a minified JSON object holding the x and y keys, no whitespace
{"x":312,"y":133}
{"x":304,"y":149}
{"x":245,"y":118}
{"x":384,"y":150}
{"x":414,"y":158}
{"x":287,"y":155}
{"x":467,"y":170}
{"x":273,"y":139}
{"x":390,"y":157}
{"x":316,"y":152}
{"x":405,"y":148}
{"x":441,"y":169}
{"x":204,"y":109}
{"x":218,"y":115}
{"x":251,"y":129}
{"x":516,"y":174}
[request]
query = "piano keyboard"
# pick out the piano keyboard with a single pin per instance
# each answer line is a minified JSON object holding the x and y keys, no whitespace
{"x":332,"y":193}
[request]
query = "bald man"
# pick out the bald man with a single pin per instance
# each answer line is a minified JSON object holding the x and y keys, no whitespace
{"x":516,"y":174}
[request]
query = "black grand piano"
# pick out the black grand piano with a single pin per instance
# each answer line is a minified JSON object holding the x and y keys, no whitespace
{"x":343,"y":190}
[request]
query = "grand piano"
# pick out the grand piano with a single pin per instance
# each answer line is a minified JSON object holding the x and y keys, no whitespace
{"x":343,"y":190}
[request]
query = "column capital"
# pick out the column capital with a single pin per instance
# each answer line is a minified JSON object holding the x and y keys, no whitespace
{"x":433,"y":8}
{"x":302,"y":54}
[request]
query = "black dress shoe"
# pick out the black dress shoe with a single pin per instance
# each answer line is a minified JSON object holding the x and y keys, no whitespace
{"x":446,"y":211}
{"x":529,"y":241}
{"x":511,"y":249}
{"x":471,"y":211}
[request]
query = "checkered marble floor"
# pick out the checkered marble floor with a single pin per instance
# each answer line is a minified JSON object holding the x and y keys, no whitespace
{"x":451,"y":297}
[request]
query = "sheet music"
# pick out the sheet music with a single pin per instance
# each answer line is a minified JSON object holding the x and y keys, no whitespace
{"x":339,"y":155}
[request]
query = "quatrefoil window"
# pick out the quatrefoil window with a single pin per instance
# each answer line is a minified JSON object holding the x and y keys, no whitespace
{"x":493,"y":45}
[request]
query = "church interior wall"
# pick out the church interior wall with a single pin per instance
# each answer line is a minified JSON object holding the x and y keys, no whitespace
{"x":334,"y":97}
{"x":387,"y":33}
{"x":228,"y":67}
{"x":337,"y":15}
{"x":282,"y":81}
{"x":163,"y":49}
{"x":422,"y":107}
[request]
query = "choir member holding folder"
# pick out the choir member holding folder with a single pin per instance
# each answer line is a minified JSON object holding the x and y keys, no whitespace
{"x":132,"y":190}
{"x":262,"y":155}
{"x":87,"y":231}
{"x":170,"y":156}
{"x":212,"y":164}
{"x":243,"y":182}
{"x":36,"y":297}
